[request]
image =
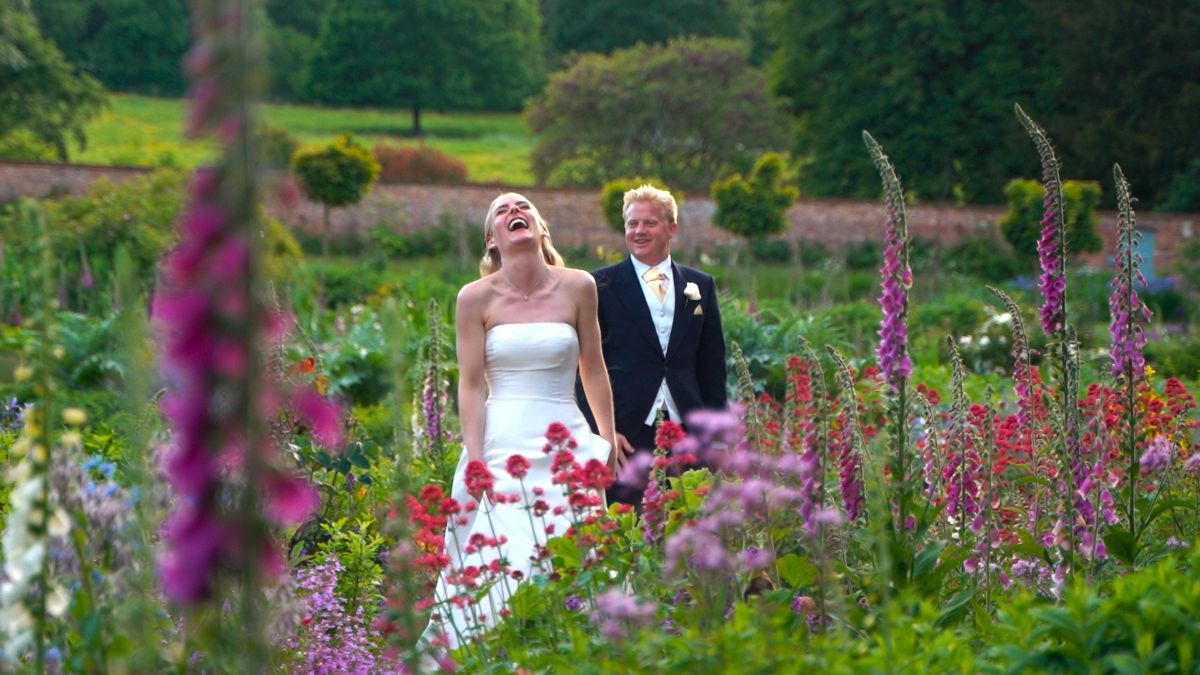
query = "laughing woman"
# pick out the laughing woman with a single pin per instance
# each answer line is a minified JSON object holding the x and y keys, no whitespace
{"x":523,"y":332}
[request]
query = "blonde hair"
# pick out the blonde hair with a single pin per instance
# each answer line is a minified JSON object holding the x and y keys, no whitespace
{"x":649,"y":193}
{"x":490,"y":263}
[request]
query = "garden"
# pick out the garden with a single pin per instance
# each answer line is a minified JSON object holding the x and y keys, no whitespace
{"x":227,"y":445}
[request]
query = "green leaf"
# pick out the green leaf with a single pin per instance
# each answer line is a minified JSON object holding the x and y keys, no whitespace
{"x":1121,"y":545}
{"x":566,"y":551}
{"x":954,"y":608}
{"x":926,"y":560}
{"x":796,"y":570}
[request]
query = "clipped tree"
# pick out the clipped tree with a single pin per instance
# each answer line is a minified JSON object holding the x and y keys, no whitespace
{"x":1022,"y":227}
{"x":604,"y":25}
{"x":612,"y":197}
{"x":40,"y":92}
{"x":754,"y":207}
{"x":687,"y":112}
{"x":334,"y":174}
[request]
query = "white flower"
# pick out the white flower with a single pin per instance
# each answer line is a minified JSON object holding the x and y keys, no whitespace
{"x":57,"y":601}
{"x":691,"y":291}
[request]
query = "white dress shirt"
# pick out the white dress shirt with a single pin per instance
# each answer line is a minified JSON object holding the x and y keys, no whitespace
{"x":662,"y":313}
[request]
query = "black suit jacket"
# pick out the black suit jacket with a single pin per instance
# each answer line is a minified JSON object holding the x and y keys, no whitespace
{"x":694,"y":365}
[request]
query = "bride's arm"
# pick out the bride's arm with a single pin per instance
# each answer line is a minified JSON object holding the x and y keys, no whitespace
{"x":592,"y":372}
{"x":472,"y":392}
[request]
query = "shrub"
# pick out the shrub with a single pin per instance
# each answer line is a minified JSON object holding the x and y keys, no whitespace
{"x":1022,"y":224}
{"x":756,"y":206}
{"x":22,"y":145}
{"x":771,"y":250}
{"x":983,"y":258}
{"x":1184,"y":194}
{"x":278,"y":146}
{"x":612,"y":198}
{"x":335,"y":174}
{"x":864,"y":255}
{"x":418,"y":164}
{"x":813,"y":253}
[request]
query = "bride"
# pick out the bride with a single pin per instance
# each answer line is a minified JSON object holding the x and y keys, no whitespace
{"x":523,"y":330}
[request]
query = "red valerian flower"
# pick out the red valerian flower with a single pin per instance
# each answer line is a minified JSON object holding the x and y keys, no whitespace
{"x":669,"y":433}
{"x":517,"y":466}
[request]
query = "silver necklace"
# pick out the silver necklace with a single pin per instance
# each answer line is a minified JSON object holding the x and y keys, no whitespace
{"x":518,"y":289}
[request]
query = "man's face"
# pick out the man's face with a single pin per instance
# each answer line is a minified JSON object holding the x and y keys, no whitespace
{"x":648,"y":232}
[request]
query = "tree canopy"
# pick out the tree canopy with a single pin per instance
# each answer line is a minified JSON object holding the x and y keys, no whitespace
{"x":604,"y":25}
{"x":428,"y":54}
{"x":935,"y":82}
{"x":40,"y":91}
{"x":687,"y":112}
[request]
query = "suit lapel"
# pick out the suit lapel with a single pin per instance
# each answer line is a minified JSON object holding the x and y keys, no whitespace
{"x":629,"y":292}
{"x":683,"y":311}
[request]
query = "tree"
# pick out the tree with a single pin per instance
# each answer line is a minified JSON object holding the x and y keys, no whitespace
{"x":40,"y":92}
{"x":335,"y":174}
{"x":754,"y":207}
{"x":1128,"y":88}
{"x":604,"y":25}
{"x":935,"y":81}
{"x":686,"y":112}
{"x":428,"y":54}
{"x":1022,"y":227}
{"x":130,"y":45}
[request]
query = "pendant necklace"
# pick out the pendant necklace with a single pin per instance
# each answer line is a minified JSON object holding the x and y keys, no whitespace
{"x":524,"y":293}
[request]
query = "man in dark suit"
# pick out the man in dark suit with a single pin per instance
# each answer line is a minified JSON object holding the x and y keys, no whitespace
{"x":661,"y":330}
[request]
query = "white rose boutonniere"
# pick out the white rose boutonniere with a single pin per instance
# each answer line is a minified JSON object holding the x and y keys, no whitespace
{"x":691,"y":291}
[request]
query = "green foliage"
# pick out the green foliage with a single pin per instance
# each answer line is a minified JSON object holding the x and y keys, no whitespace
{"x":757,"y":206}
{"x":289,"y":51}
{"x":770,"y":250}
{"x":21,"y":144}
{"x":1022,"y":224}
{"x":1179,"y":355}
{"x":130,"y":45}
{"x":41,"y":92}
{"x":335,"y":174}
{"x":676,"y":111}
{"x":955,"y":67}
{"x":1141,"y":112}
{"x":612,"y":198}
{"x":428,"y":54}
{"x":1184,"y":194}
{"x":604,"y":25}
{"x":984,"y":258}
{"x":278,"y":146}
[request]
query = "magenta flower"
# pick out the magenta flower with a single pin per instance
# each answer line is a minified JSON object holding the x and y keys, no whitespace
{"x":1128,"y":339}
{"x":896,"y":276}
{"x":1157,"y":456}
{"x":1051,"y":246}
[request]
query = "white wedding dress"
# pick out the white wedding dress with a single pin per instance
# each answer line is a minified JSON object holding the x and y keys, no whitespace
{"x":530,"y":372}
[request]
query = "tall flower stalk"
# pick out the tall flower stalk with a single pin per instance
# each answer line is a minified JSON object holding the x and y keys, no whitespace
{"x":214,"y":318}
{"x":894,"y":361}
{"x":1128,"y":338}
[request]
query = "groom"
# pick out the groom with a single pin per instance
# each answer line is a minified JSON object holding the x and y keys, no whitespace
{"x":661,"y":331}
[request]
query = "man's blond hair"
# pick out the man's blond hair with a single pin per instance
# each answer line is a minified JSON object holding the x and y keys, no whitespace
{"x":649,"y":193}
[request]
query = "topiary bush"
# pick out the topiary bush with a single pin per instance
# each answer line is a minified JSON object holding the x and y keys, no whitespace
{"x":756,"y":206}
{"x":278,"y":146}
{"x":418,"y":164}
{"x":612,"y":198}
{"x":335,"y":174}
{"x":1022,"y":224}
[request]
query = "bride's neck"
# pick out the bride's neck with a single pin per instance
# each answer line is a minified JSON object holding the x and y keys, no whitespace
{"x":524,"y":268}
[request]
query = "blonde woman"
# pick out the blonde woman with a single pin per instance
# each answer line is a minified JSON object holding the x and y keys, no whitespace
{"x":523,"y":331}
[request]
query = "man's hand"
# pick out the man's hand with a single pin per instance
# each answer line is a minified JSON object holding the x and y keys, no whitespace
{"x":621,"y":451}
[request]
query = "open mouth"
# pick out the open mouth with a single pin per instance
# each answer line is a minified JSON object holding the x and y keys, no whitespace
{"x":518,"y":224}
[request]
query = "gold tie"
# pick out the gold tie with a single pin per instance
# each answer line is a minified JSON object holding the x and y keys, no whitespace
{"x":656,"y":278}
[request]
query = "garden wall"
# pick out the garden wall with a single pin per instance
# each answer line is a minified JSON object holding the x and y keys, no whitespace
{"x":576,"y":219}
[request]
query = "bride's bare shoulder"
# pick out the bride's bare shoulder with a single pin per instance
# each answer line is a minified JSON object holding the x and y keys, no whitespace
{"x":576,"y":278}
{"x":476,"y":294}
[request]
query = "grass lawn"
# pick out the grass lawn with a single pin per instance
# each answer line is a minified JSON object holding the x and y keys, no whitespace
{"x":140,"y":130}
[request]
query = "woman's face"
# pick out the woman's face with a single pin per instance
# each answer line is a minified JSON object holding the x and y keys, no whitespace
{"x":514,"y":221}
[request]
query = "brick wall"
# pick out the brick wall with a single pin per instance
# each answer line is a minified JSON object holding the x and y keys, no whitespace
{"x":576,"y":219}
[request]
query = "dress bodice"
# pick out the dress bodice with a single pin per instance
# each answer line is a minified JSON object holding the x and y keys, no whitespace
{"x":532,"y":361}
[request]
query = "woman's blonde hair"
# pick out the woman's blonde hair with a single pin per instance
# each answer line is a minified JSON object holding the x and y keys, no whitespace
{"x":490,"y":263}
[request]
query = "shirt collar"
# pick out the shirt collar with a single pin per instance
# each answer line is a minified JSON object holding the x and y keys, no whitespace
{"x":640,"y":267}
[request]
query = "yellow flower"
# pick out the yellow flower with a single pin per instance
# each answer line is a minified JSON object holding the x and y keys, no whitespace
{"x":59,"y":352}
{"x":22,"y":373}
{"x":39,"y":453}
{"x":74,"y":416}
{"x":1149,"y":371}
